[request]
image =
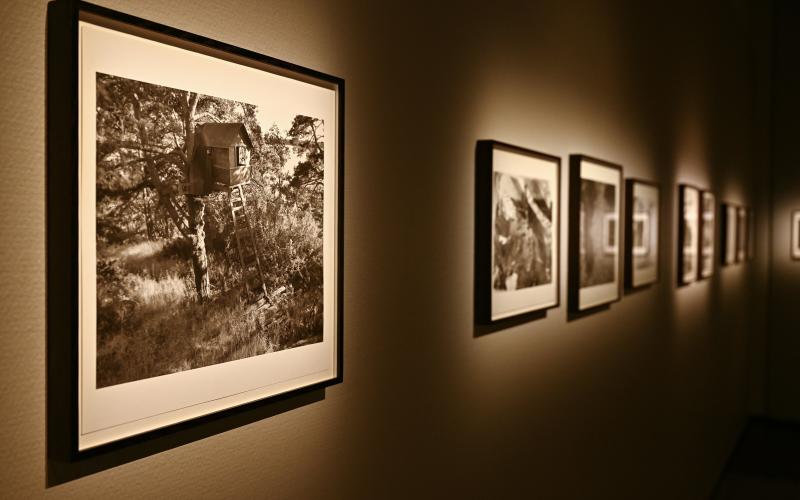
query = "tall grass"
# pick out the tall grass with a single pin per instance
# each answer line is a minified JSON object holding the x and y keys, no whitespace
{"x":150,"y":322}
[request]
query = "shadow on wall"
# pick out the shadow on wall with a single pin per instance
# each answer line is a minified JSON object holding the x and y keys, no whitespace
{"x":61,"y":468}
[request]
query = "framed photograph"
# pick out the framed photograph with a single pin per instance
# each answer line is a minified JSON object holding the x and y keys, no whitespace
{"x":688,"y":234}
{"x":707,"y":233}
{"x":517,"y":214}
{"x":751,"y":234}
{"x":729,"y":238}
{"x":595,"y":234}
{"x":195,"y":216}
{"x":641,"y":233}
{"x":741,"y":234}
{"x":795,"y":235}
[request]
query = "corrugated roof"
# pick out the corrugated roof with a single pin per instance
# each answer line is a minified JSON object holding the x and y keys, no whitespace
{"x":221,"y":135}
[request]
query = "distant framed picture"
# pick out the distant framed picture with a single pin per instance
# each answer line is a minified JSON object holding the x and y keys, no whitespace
{"x":517,"y":221}
{"x":795,"y":235}
{"x":195,"y":226}
{"x":707,"y":233}
{"x":641,"y":233}
{"x":688,"y":234}
{"x":595,"y":234}
{"x":751,"y":234}
{"x":741,"y":234}
{"x":729,"y":227}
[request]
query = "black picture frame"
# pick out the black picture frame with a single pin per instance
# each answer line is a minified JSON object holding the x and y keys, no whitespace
{"x":751,"y":235}
{"x":484,"y":233}
{"x":794,"y":235}
{"x":575,"y":306}
{"x":728,"y":238}
{"x":742,"y":234}
{"x":686,"y":277}
{"x":66,"y":460}
{"x":703,"y":226}
{"x":630,"y":188}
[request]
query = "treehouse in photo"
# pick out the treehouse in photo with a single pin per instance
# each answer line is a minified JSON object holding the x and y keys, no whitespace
{"x":221,"y":158}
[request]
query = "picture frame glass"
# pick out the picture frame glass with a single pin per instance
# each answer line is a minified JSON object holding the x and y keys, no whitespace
{"x":730,"y":238}
{"x":644,"y":233}
{"x":599,"y":233}
{"x":525,"y":208}
{"x":741,"y":234}
{"x":795,"y":235}
{"x":690,"y":211}
{"x":751,"y":234}
{"x":707,"y":237}
{"x":198,"y":289}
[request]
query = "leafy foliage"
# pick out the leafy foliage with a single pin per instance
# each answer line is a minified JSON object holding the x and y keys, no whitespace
{"x":523,"y":233}
{"x":151,"y":320}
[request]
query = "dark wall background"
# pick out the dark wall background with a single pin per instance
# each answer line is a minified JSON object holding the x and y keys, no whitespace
{"x":644,"y":400}
{"x":784,"y":336}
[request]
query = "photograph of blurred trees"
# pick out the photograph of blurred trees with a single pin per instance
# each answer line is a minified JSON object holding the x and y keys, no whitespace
{"x":171,"y":292}
{"x":523,"y":232}
{"x":597,"y":233}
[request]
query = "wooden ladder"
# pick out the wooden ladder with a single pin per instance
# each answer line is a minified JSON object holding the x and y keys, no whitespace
{"x":246,"y":243}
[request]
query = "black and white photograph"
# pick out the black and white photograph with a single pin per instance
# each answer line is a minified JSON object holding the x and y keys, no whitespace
{"x":688,"y":234}
{"x":751,"y":234}
{"x":523,"y":236}
{"x":707,"y":234}
{"x":729,"y":227}
{"x":235,"y":264}
{"x":598,"y":237}
{"x":523,"y":225}
{"x":595,"y":205}
{"x":795,"y":235}
{"x":639,"y":235}
{"x":741,"y":234}
{"x":642,"y":214}
{"x":208,"y":233}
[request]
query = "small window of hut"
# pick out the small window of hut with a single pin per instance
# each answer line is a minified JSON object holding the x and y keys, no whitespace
{"x":241,"y":156}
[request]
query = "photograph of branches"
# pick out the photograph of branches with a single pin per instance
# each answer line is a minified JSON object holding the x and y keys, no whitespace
{"x":523,"y":232}
{"x":209,"y":230}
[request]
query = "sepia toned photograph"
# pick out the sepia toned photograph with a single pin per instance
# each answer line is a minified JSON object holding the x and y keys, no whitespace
{"x":707,"y":234}
{"x":640,"y":238}
{"x":523,"y":233}
{"x":741,"y":234}
{"x":209,"y":230}
{"x":729,"y":226}
{"x":751,"y":234}
{"x":688,"y":235}
{"x":641,"y":256}
{"x":517,"y":231}
{"x":795,"y":235}
{"x":208,"y":210}
{"x":595,"y":233}
{"x":598,"y":241}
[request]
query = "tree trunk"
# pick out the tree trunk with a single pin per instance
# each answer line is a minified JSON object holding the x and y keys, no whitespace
{"x":147,"y":222}
{"x":196,"y":205}
{"x":197,"y":208}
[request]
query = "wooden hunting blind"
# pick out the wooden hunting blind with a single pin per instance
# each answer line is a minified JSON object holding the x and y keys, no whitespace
{"x":221,"y":162}
{"x":221,"y":158}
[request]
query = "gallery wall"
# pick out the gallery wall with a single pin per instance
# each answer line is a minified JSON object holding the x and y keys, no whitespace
{"x":784,"y":341}
{"x":643,"y":400}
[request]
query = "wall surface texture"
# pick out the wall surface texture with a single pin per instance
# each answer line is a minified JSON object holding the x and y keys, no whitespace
{"x":784,"y":341}
{"x":644,"y":400}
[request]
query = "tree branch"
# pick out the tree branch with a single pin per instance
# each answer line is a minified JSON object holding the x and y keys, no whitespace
{"x":138,"y":147}
{"x":103,"y":193}
{"x":206,"y":114}
{"x":316,"y":140}
{"x":138,"y":160}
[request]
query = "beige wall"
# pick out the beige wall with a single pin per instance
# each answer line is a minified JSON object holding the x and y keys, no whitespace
{"x":642,"y":401}
{"x":784,"y":345}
